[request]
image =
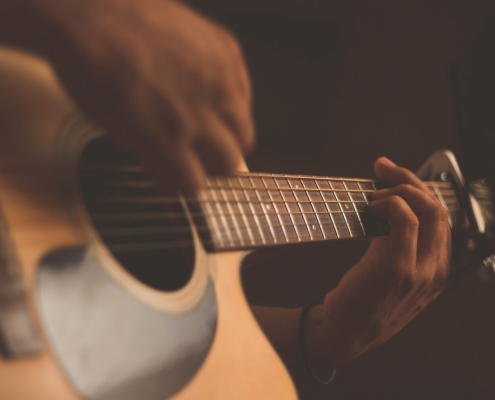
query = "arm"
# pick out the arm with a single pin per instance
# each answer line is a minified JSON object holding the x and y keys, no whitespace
{"x":172,"y":87}
{"x":395,"y":280}
{"x":163,"y":81}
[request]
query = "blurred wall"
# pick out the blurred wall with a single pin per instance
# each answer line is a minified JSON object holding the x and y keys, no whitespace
{"x":338,"y":84}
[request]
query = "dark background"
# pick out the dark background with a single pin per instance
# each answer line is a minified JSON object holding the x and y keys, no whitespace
{"x":338,"y":84}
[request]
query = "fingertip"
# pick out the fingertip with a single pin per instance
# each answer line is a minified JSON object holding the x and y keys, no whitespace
{"x":384,"y":162}
{"x":382,"y":165}
{"x":250,"y":143}
{"x":376,"y":206}
{"x":387,"y":161}
{"x":247,"y":137}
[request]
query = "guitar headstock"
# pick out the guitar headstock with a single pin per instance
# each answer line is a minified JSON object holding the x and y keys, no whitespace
{"x":473,"y":235}
{"x":483,"y":195}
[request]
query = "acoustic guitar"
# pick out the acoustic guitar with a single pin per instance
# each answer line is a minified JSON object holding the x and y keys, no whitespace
{"x":110,"y":291}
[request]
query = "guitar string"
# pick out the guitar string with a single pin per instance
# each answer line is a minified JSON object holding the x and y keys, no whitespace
{"x":129,"y":246}
{"x":106,"y":216}
{"x":112,"y":232}
{"x":164,"y":201}
{"x":136,"y":184}
{"x":121,"y":248}
{"x":137,"y":216}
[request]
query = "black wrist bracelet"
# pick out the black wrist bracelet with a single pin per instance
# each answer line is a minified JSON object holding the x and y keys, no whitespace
{"x":303,"y":352}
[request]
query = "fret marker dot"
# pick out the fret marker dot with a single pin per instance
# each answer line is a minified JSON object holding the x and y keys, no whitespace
{"x":268,"y":207}
{"x":314,"y":227}
{"x":297,"y":186}
{"x":347,"y":206}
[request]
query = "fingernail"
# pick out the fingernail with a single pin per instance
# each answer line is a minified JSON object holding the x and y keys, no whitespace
{"x":386,"y":161}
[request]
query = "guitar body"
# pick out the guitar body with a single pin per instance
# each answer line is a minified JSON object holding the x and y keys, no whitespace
{"x":65,"y":268}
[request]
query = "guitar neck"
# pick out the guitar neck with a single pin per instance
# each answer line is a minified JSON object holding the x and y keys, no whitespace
{"x":252,"y":210}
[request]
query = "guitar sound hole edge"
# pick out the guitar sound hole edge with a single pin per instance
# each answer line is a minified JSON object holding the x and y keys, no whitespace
{"x":150,"y":239}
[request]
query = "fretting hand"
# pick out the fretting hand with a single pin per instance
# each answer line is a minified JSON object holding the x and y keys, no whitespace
{"x":398,"y":276}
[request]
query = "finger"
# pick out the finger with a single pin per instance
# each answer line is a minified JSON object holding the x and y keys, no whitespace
{"x":238,"y":117}
{"x":177,"y":169}
{"x":233,"y":98}
{"x":241,"y":73}
{"x":418,"y":200}
{"x":432,"y":216}
{"x":217,"y":148}
{"x":392,"y":175}
{"x":402,"y":241}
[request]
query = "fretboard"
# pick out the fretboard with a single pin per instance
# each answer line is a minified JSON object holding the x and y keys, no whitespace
{"x":250,"y":210}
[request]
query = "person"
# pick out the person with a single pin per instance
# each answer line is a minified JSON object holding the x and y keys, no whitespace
{"x":172,"y":87}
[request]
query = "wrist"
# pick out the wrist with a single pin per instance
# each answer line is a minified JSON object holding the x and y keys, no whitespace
{"x":315,"y":338}
{"x":313,"y":344}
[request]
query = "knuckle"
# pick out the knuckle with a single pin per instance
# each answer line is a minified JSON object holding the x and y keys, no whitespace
{"x":407,"y":283}
{"x":407,"y":175}
{"x":397,"y":203}
{"x":411,"y":221}
{"x":440,"y":278}
{"x":403,"y":212}
{"x":440,"y":214}
{"x":404,"y":188}
{"x":422,"y":283}
{"x":442,"y":274}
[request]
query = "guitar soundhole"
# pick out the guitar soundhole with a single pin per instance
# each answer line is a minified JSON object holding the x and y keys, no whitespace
{"x":147,"y":233}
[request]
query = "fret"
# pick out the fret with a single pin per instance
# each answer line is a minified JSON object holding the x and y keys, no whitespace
{"x":259,"y":215}
{"x":308,"y":190}
{"x":251,"y":226}
{"x":226,"y":219}
{"x":312,"y":222}
{"x":353,"y":223}
{"x":327,"y":225}
{"x":269,"y":182}
{"x":354,"y":186}
{"x":228,"y":196}
{"x":268,"y":200}
{"x":382,"y":224}
{"x":305,"y":207}
{"x":438,"y":195}
{"x":287,"y":231}
{"x":238,"y":195}
{"x":292,"y":207}
{"x":286,"y":221}
{"x":282,"y":183}
{"x":251,"y":195}
{"x":216,"y":233}
{"x":286,"y":176}
{"x":244,"y":182}
{"x":269,"y":212}
{"x":312,"y":219}
{"x":325,"y":220}
{"x":252,"y":221}
{"x":340,"y":231}
{"x":251,"y":210}
{"x":368,"y":219}
{"x":242,"y":194}
{"x":336,"y":214}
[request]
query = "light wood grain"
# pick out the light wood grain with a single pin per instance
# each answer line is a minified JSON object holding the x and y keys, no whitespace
{"x":241,"y":364}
